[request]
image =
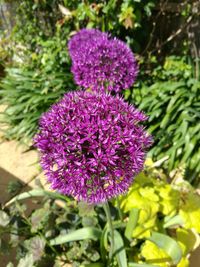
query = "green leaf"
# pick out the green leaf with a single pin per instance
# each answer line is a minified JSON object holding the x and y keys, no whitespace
{"x":27,"y":261}
{"x":104,"y":243}
{"x":169,"y":245}
{"x":40,"y":217}
{"x":80,"y":234}
{"x":189,"y":148}
{"x":174,"y":100}
{"x":35,"y":246}
{"x":176,"y":220}
{"x":184,"y":262}
{"x":152,"y":254}
{"x":146,"y":200}
{"x":190,"y":211}
{"x":132,"y":264}
{"x":86,"y":209}
{"x":4,"y":218}
{"x":119,"y":250}
{"x":89,"y":221}
{"x":189,"y":240}
{"x":169,"y":199}
{"x":132,"y":222}
{"x":36,"y":193}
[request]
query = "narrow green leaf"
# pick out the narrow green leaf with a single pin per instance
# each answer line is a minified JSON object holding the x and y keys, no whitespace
{"x":133,"y":219}
{"x":104,"y":243}
{"x":132,"y":264}
{"x":36,"y":193}
{"x":176,"y":220}
{"x":169,"y":245}
{"x":165,"y":121}
{"x":80,"y":234}
{"x":174,"y":100}
{"x":189,"y":148}
{"x":119,"y":250}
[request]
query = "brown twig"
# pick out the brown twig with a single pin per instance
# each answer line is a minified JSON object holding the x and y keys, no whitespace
{"x":154,"y":26}
{"x":172,"y":36}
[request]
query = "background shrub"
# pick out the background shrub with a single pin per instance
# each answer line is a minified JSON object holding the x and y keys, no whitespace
{"x":171,"y":100}
{"x":27,"y":93}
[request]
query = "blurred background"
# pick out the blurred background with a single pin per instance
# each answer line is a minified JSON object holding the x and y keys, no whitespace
{"x":35,"y":72}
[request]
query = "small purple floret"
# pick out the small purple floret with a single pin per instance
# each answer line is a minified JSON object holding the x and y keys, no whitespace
{"x":92,"y":145}
{"x":100,"y":62}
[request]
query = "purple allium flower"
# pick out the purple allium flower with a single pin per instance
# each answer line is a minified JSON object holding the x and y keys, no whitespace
{"x":92,"y":145}
{"x":79,"y":41}
{"x":102,"y":63}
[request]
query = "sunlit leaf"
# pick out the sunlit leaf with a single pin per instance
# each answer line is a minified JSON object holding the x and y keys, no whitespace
{"x":184,"y":262}
{"x":127,"y":16}
{"x":154,"y":255}
{"x":132,"y":222}
{"x":146,"y":200}
{"x":168,"y":245}
{"x":36,"y":193}
{"x":27,"y":261}
{"x":119,"y":250}
{"x":173,"y":221}
{"x":189,"y":240}
{"x":169,"y":199}
{"x":190,"y":211}
{"x":4,"y":218}
{"x":80,"y":234}
{"x":65,"y":11}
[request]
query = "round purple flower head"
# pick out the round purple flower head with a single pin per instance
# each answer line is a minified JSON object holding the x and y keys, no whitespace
{"x":79,"y":41}
{"x":102,"y":63}
{"x":92,"y":145}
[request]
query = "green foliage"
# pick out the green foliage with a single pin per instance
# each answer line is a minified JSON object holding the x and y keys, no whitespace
{"x":39,"y":21}
{"x":40,"y":227}
{"x":159,"y":226}
{"x":27,"y":94}
{"x":171,"y":210}
{"x":120,"y":18}
{"x":171,"y":99}
{"x":40,"y":71}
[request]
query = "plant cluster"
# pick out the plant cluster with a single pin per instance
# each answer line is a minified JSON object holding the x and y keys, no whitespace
{"x":155,"y":216}
{"x":171,"y":99}
{"x":27,"y":93}
{"x":35,"y":81}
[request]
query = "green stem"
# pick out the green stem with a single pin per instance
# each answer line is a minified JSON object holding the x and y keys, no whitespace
{"x":111,"y":229}
{"x":119,"y":210}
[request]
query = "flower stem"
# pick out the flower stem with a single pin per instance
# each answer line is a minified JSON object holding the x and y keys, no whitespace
{"x":119,"y":209}
{"x":111,"y":229}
